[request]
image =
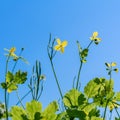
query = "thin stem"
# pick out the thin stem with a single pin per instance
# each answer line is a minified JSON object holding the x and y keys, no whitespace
{"x":110,"y":115}
{"x":73,"y":86}
{"x":19,"y":99}
{"x":81,"y":63}
{"x":17,"y":60}
{"x":110,"y":78}
{"x":24,"y":97}
{"x":6,"y":107}
{"x":78,"y":78}
{"x":56,"y":79}
{"x":116,"y":111}
{"x":105,"y":109}
{"x":89,"y":44}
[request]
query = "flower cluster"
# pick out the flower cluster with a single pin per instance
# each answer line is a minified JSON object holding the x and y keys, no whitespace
{"x":110,"y":67}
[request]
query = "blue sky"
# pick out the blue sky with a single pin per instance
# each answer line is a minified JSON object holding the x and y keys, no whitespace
{"x":28,"y":23}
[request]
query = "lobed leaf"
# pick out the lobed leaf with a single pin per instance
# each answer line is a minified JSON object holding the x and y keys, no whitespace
{"x":91,"y":89}
{"x":49,"y":112}
{"x":33,"y":110}
{"x":73,"y":98}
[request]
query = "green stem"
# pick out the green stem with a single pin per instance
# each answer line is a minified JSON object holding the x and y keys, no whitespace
{"x":6,"y":107}
{"x":17,"y":61}
{"x":89,"y":44}
{"x":117,"y":113}
{"x":105,"y":109}
{"x":56,"y":79}
{"x":78,"y":78}
{"x":24,"y":97}
{"x":19,"y":99}
{"x":110,"y":78}
{"x":110,"y":116}
{"x":81,"y":63}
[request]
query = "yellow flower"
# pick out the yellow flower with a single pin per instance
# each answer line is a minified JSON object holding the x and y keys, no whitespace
{"x":95,"y":38}
{"x":9,"y":90}
{"x":60,"y":45}
{"x":12,"y":50}
{"x":12,"y":53}
{"x":113,"y":64}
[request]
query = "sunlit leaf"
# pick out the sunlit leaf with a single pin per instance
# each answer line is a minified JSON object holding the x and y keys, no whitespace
{"x":71,"y":98}
{"x":89,"y":107}
{"x":20,"y":77}
{"x":91,"y":89}
{"x":94,"y":112}
{"x":62,"y":116}
{"x":33,"y":110}
{"x":18,"y":113}
{"x":117,"y":96}
{"x":50,"y":110}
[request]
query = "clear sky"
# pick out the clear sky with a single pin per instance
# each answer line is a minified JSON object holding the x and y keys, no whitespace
{"x":27,"y":23}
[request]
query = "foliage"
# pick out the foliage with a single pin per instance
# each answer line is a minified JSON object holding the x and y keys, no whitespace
{"x":12,"y":80}
{"x":34,"y":111}
{"x":77,"y":105}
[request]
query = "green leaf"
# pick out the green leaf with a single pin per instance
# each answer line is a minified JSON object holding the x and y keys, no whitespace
{"x":12,"y":87}
{"x":12,"y":81}
{"x":84,"y":53}
{"x":49,"y":112}
{"x":72,"y":98}
{"x":73,"y":113}
{"x":109,"y":89}
{"x":117,"y":96}
{"x":117,"y":118}
{"x":96,"y":118}
{"x":9,"y":77}
{"x":3,"y":85}
{"x":17,"y":113}
{"x":89,"y":107}
{"x":62,"y":116}
{"x":81,"y":99}
{"x":91,"y":89}
{"x":33,"y":110}
{"x":94,"y":112}
{"x":20,"y":77}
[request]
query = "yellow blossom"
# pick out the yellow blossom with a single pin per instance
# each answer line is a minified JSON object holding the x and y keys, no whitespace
{"x":95,"y":37}
{"x":113,"y":64}
{"x":9,"y":90}
{"x":60,"y":45}
{"x":12,"y":50}
{"x":12,"y":53}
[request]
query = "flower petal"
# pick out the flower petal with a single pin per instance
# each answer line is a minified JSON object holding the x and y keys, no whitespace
{"x":58,"y":41}
{"x":95,"y":34}
{"x":64,"y":43}
{"x":12,"y":50}
{"x":57,"y":47}
{"x":62,"y":50}
{"x":113,"y":64}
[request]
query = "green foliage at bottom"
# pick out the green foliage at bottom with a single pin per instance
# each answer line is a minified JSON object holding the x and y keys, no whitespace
{"x":34,"y":111}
